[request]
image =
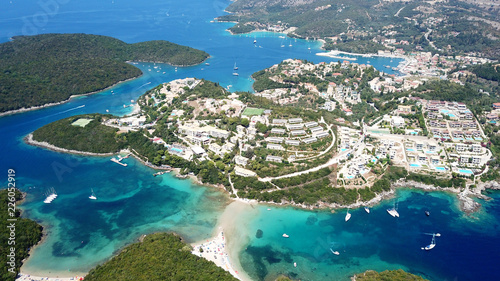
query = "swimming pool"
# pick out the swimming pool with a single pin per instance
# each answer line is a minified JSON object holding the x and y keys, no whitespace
{"x":343,"y":149}
{"x":415,"y":165}
{"x":410,"y":149}
{"x":451,"y":115}
{"x":441,"y":169}
{"x":177,"y":149}
{"x":444,"y":110}
{"x":466,"y":171}
{"x":350,"y":177}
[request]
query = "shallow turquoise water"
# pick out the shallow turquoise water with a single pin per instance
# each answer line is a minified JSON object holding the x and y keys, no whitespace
{"x":132,"y":202}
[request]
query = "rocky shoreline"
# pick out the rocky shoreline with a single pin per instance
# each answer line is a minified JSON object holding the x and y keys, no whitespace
{"x":465,"y":197}
{"x":29,"y":140}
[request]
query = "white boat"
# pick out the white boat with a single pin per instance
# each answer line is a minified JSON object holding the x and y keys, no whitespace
{"x":294,"y":264}
{"x":367,"y":210}
{"x":285,"y":235}
{"x":235,"y":67}
{"x":334,"y":252}
{"x":254,"y":41}
{"x":51,"y":195}
{"x":348,"y":215}
{"x":433,"y":242}
{"x":92,"y":196}
{"x":235,"y":74}
{"x":393,"y":212}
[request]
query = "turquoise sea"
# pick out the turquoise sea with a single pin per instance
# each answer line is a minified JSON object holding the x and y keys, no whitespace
{"x":131,"y":202}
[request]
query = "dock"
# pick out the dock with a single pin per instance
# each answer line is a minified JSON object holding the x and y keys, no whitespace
{"x":118,"y":161}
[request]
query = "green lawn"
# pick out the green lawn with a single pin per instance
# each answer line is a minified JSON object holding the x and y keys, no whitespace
{"x":250,"y":111}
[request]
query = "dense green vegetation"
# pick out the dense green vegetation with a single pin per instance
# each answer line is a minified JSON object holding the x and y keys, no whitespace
{"x":27,"y":234}
{"x":364,"y":26}
{"x":159,"y":257}
{"x":47,"y":68}
{"x":393,"y":275}
{"x":94,"y":137}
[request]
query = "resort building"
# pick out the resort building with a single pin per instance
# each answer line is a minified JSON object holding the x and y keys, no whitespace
{"x":298,"y":133}
{"x":295,"y":126}
{"x":321,"y":135}
{"x":310,"y":140}
{"x":275,"y":146}
{"x":311,"y":124}
{"x":278,"y":131}
{"x":316,"y":129}
{"x":240,"y":160}
{"x":295,"y":120}
{"x":272,"y":158}
{"x":279,"y":122}
{"x":292,"y":142}
{"x":275,"y":139}
{"x":244,"y":172}
{"x":215,"y":148}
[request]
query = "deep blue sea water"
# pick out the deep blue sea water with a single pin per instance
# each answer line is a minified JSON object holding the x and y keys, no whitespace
{"x":133,"y":202}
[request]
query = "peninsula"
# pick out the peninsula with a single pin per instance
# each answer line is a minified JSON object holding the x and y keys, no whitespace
{"x":50,"y":68}
{"x":324,"y":135}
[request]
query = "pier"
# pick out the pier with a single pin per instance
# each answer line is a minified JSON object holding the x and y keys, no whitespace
{"x":118,"y":161}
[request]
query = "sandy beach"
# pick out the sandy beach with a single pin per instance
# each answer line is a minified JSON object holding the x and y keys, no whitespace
{"x":230,"y":239}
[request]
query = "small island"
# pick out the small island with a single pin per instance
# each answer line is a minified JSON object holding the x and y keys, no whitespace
{"x":50,"y":68}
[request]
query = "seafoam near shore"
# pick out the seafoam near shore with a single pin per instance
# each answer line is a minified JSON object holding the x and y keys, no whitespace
{"x":27,"y":277}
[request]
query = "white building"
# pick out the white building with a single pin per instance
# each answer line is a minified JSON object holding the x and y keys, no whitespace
{"x":244,"y":172}
{"x":240,"y":160}
{"x":272,"y":158}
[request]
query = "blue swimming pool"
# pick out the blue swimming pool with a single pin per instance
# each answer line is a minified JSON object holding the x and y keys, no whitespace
{"x":451,"y":115}
{"x":415,"y":165}
{"x":410,"y":149}
{"x":350,"y":177}
{"x":444,"y":111}
{"x":441,"y":169}
{"x":343,"y":149}
{"x":177,"y":149}
{"x":466,"y":171}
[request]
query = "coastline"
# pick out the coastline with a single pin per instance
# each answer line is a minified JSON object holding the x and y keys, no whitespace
{"x":21,"y":110}
{"x":29,"y":140}
{"x":465,"y":197}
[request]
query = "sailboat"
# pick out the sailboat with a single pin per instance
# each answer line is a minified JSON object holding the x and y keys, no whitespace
{"x":433,"y":242}
{"x":348,"y":215}
{"x":393,"y":211}
{"x":92,"y":196}
{"x":235,"y":67}
{"x":367,"y":209}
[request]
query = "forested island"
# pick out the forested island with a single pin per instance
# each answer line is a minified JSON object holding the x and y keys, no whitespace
{"x":27,"y":233}
{"x":50,"y":68}
{"x":159,"y":256}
